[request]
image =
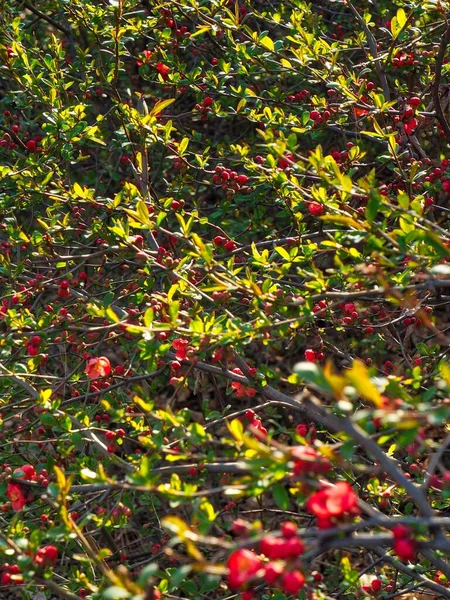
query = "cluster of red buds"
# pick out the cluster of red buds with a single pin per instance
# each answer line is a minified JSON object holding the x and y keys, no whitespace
{"x":313,"y":356}
{"x":298,"y":96}
{"x":276,"y":565}
{"x":205,"y":107}
{"x":255,"y":422}
{"x":228,"y":179}
{"x":402,"y":59}
{"x":240,"y":389}
{"x":318,"y":117}
{"x":63,"y":290}
{"x":222,"y":242}
{"x":32,"y":345}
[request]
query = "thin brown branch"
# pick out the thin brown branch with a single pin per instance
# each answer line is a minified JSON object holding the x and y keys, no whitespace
{"x":47,"y":18}
{"x":59,"y":591}
{"x":439,"y":589}
{"x":320,"y":414}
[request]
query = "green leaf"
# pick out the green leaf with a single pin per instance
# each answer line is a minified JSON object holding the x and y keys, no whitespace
{"x":147,"y":572}
{"x":174,"y":309}
{"x":149,"y":316}
{"x":280,"y":496}
{"x":142,"y":211}
{"x":311,"y":373}
{"x":358,"y":376}
{"x":373,"y":205}
{"x":179,"y":575}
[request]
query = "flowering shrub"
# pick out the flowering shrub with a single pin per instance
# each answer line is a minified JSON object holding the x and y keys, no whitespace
{"x":224,"y":277}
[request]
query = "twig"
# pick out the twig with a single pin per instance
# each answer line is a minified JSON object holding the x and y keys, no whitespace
{"x":47,"y":18}
{"x":439,"y":589}
{"x":440,"y":564}
{"x":435,"y":462}
{"x":57,"y":589}
{"x":318,"y":413}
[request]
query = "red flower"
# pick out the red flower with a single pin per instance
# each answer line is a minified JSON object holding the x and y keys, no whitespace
{"x":15,"y":494}
{"x":146,"y":56}
{"x":46,"y":556}
{"x":401,"y":531}
{"x":163,"y":70}
{"x":293,"y":582}
{"x":98,"y":367}
{"x":310,"y":355}
{"x":410,"y":126}
{"x":272,"y":572}
{"x":285,"y":161}
{"x":302,"y":429}
{"x":315,"y":208}
{"x":243,"y":390}
{"x":242,"y":565}
{"x":405,"y":549}
{"x":275,"y":548}
{"x":307,"y":460}
{"x":181,"y":347}
{"x":360,"y":112}
{"x":334,"y":501}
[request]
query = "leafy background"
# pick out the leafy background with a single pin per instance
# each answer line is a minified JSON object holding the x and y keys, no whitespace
{"x":243,"y":207}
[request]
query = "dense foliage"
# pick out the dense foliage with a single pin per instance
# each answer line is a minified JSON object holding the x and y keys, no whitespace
{"x":224,"y":298}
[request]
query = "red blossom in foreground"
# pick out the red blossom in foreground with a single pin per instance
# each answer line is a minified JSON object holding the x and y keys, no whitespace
{"x":293,"y":582}
{"x":242,"y":564}
{"x":308,"y":460}
{"x":279,"y":548}
{"x":256,"y":423}
{"x":332,"y":502}
{"x":98,"y":367}
{"x":16,"y":496}
{"x":310,"y":355}
{"x":446,"y":186}
{"x":46,"y":556}
{"x":272,"y":571}
{"x":410,"y":126}
{"x":405,"y":549}
{"x":286,"y":161}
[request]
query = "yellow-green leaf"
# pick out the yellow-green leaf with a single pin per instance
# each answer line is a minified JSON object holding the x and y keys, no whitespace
{"x":236,"y":429}
{"x":142,"y":212}
{"x":359,"y":377}
{"x":343,"y":220}
{"x":176,"y":525}
{"x":401,"y":17}
{"x":160,"y":106}
{"x":267,"y":43}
